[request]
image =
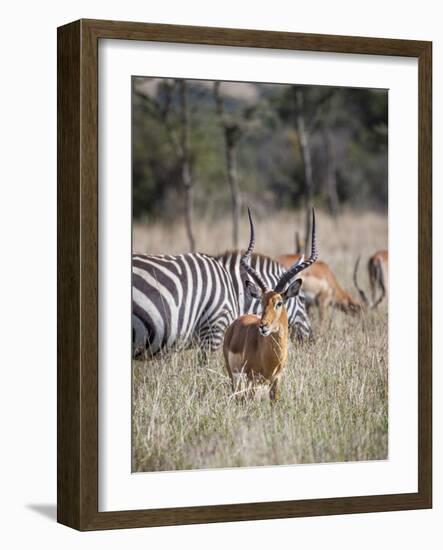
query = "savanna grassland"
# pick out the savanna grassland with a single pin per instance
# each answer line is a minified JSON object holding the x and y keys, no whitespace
{"x":334,"y":392}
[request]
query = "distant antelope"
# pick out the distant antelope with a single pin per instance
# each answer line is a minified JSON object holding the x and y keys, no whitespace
{"x":257,"y":347}
{"x":321,"y":287}
{"x":378,"y":277}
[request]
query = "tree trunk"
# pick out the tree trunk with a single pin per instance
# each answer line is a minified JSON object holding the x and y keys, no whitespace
{"x":331,"y":176}
{"x":307,"y":165}
{"x":231,"y":133}
{"x":231,"y":165}
{"x":186,"y":164}
{"x":298,"y":245}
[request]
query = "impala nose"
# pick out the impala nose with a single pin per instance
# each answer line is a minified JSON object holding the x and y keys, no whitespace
{"x":264,"y":329}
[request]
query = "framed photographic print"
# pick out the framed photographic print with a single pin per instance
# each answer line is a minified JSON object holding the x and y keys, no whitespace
{"x":233,"y":341}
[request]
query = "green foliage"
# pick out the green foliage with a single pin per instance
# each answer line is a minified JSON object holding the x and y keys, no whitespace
{"x":270,"y":163}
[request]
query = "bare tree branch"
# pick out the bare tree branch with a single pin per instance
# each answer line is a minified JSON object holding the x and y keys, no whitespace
{"x":232,"y":134}
{"x":187,"y":181}
{"x":307,"y":162}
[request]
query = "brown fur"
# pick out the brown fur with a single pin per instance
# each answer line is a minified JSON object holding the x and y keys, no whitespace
{"x":378,"y":275}
{"x":261,"y":358}
{"x":319,"y":281}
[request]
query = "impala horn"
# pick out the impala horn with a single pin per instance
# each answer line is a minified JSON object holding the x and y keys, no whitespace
{"x":246,"y":258}
{"x":298,"y":266}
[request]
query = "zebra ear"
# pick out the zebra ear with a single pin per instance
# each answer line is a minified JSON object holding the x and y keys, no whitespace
{"x":292,"y":290}
{"x":252,"y":289}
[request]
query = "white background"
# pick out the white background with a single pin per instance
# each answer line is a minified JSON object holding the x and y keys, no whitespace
{"x":28,"y":234}
{"x":118,"y":488}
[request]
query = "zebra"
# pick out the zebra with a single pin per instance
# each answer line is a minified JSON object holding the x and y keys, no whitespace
{"x":271,"y":272}
{"x":191,"y":299}
{"x":178,"y":301}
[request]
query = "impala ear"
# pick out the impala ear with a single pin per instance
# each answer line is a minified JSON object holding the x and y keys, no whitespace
{"x":252,"y":289}
{"x":292,"y":290}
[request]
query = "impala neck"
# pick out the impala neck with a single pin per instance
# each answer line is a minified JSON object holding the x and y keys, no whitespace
{"x":280,"y":337}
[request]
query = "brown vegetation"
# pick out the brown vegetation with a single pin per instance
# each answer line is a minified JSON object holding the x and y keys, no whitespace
{"x":334,"y":403}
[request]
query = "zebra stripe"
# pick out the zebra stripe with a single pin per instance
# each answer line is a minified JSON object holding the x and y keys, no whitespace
{"x":271,"y":272}
{"x":180,"y":300}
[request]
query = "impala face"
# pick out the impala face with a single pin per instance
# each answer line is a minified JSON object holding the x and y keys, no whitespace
{"x":273,"y":304}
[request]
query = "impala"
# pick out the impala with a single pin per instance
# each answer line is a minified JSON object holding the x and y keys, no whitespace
{"x":378,"y":277}
{"x":321,"y":287}
{"x":257,"y":347}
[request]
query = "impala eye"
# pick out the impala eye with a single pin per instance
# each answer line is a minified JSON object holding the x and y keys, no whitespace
{"x":278,"y":304}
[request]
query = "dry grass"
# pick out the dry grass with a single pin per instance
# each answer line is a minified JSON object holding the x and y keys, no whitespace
{"x":351,"y":233}
{"x":334,"y":398}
